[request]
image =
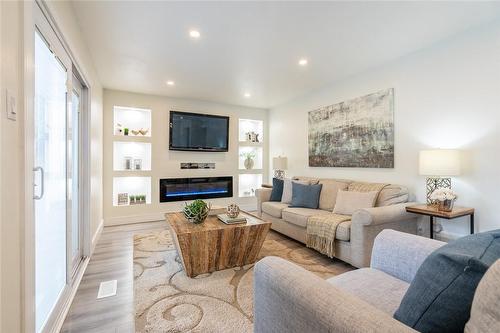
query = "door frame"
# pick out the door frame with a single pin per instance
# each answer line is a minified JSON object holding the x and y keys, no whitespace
{"x":54,"y":323}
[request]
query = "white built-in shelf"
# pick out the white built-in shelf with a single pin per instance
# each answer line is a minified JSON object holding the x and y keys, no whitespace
{"x":132,"y":118}
{"x":251,"y":144}
{"x":250,"y":125}
{"x":257,"y":160}
{"x":252,"y":171}
{"x":128,"y":138}
{"x":132,"y":186}
{"x":248,"y":183}
{"x":134,"y":150}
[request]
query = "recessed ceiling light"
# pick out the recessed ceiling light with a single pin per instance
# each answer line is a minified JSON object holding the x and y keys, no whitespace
{"x":247,"y":95}
{"x":194,"y":34}
{"x":303,"y":62}
{"x":170,"y":83}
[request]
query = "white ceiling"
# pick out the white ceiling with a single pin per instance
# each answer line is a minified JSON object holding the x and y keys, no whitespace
{"x":255,"y":46}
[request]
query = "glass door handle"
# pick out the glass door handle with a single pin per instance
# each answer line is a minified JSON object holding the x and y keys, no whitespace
{"x":42,"y":183}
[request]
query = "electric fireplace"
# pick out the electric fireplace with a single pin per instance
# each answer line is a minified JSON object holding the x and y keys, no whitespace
{"x":182,"y":189}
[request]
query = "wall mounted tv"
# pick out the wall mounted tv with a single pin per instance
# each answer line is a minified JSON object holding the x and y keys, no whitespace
{"x":198,"y":132}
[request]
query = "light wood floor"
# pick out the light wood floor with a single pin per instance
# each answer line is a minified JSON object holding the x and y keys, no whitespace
{"x":112,"y":260}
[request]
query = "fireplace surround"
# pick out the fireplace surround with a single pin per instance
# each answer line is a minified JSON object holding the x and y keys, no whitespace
{"x":182,"y":189}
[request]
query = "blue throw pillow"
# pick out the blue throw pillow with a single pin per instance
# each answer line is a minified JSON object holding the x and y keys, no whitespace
{"x":440,"y":296}
{"x":277,"y":191}
{"x":306,"y":196}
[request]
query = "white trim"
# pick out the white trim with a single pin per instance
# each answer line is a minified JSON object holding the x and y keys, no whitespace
{"x":96,"y":237}
{"x":152,"y":217}
{"x":28,"y":269}
{"x":59,"y":320}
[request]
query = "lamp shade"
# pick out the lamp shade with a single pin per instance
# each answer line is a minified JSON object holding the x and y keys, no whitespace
{"x":280,"y":163}
{"x":439,"y":162}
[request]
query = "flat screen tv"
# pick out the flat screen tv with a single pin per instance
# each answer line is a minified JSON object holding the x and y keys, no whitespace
{"x":198,"y":132}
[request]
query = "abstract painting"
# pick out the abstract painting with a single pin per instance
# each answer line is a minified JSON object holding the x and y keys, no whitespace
{"x":356,"y":133}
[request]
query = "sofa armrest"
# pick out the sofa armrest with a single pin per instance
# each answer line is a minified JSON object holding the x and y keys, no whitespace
{"x":382,"y":215}
{"x":367,"y":223}
{"x":287,"y":298}
{"x":400,"y":254}
{"x":263,"y":195}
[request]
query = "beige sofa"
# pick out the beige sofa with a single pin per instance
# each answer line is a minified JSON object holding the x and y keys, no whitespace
{"x":354,"y":239}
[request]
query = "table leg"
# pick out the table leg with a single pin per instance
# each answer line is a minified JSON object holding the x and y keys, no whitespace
{"x":471,"y":223}
{"x":431,"y":218}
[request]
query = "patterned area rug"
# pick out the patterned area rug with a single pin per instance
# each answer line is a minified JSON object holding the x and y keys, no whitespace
{"x":166,"y":300}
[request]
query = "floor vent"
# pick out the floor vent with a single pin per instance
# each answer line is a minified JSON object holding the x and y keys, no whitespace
{"x":107,"y":289}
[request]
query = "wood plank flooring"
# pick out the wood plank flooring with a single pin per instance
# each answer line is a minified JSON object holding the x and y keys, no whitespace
{"x":112,"y":260}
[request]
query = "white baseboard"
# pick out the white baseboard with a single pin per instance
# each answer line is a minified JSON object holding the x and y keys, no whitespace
{"x":152,"y":217}
{"x":120,"y":220}
{"x":96,"y":236}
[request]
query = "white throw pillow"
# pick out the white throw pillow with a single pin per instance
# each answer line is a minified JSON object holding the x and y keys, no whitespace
{"x":286,"y":197}
{"x":349,"y":201}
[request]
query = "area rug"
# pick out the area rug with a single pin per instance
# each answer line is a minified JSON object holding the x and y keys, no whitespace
{"x":166,"y":300}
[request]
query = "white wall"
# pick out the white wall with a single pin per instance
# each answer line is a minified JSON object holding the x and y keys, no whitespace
{"x":166,"y":163}
{"x":12,"y":148}
{"x":446,"y":97}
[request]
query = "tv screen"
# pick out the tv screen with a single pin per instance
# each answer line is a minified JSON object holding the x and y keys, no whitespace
{"x":200,"y":132}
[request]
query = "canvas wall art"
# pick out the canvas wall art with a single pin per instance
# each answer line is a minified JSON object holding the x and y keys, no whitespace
{"x":355,"y":133}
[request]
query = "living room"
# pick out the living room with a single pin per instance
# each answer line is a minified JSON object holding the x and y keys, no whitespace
{"x":249,"y":166}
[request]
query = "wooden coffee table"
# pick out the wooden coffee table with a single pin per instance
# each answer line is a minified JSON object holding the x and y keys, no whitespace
{"x":213,"y":246}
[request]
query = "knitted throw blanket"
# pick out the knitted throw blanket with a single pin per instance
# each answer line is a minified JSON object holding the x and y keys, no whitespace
{"x":321,"y":229}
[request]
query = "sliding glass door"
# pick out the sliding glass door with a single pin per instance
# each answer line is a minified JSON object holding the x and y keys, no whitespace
{"x":56,"y":174}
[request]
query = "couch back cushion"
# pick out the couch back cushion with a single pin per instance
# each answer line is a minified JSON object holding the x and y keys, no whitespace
{"x":349,"y":201}
{"x":328,"y":195}
{"x":485,"y":311}
{"x":306,"y":196}
{"x":440,"y":296}
{"x":392,"y":195}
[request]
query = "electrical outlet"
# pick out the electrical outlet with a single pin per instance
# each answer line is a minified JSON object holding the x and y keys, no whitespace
{"x":11,"y":105}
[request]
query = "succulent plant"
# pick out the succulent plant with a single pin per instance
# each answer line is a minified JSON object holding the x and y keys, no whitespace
{"x":197,"y":211}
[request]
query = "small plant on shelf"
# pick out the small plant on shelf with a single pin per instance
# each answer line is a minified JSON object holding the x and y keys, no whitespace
{"x":197,"y":211}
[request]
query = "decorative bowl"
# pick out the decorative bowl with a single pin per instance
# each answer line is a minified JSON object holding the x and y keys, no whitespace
{"x":197,"y":211}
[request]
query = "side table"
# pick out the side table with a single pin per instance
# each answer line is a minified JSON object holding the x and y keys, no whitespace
{"x":433,"y":212}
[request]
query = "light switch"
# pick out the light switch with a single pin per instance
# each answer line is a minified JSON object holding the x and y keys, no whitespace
{"x":11,"y":105}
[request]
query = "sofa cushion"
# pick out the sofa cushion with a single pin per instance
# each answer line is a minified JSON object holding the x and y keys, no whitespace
{"x":485,"y":312}
{"x":287,"y":189}
{"x":349,"y":201}
{"x":440,"y":296}
{"x":299,"y":216}
{"x":328,"y":195}
{"x":277,"y":191}
{"x":306,"y":196}
{"x":273,"y":208}
{"x":392,"y":195}
{"x":375,"y":287}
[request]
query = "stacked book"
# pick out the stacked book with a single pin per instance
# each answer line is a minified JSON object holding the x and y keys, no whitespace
{"x":232,"y":220}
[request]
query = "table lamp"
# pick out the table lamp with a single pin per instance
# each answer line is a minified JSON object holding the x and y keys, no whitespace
{"x":279,"y":166}
{"x":438,"y":165}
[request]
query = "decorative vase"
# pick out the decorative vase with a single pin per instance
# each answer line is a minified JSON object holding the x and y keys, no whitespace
{"x":446,"y":205}
{"x":233,"y":211}
{"x":249,"y":163}
{"x":198,"y":216}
